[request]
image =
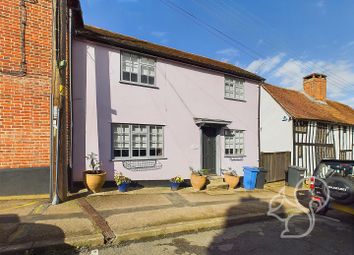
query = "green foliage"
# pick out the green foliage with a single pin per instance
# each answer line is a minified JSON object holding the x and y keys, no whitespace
{"x":199,"y":172}
{"x":119,"y":178}
{"x":229,"y":172}
{"x":95,"y":164}
{"x":177,"y":179}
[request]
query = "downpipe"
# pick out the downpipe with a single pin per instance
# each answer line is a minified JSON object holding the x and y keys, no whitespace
{"x":56,"y":199}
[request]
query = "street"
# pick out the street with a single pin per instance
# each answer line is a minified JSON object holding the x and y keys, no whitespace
{"x":330,"y":236}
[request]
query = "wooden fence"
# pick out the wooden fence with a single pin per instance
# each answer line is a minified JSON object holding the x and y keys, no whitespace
{"x":276,"y":163}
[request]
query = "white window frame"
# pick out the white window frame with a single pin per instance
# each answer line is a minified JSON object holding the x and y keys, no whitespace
{"x":234,"y":88}
{"x":142,"y":62}
{"x":159,"y":134}
{"x":236,"y":139}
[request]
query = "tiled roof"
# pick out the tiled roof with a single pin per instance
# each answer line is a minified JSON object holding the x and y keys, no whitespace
{"x":131,"y":43}
{"x":300,"y":106}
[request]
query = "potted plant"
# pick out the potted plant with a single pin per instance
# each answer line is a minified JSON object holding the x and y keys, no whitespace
{"x":231,"y":178}
{"x":121,"y":181}
{"x":94,"y":178}
{"x":175,"y":182}
{"x":198,"y":178}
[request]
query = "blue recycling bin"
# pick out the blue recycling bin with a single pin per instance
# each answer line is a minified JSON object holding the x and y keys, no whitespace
{"x":250,"y":177}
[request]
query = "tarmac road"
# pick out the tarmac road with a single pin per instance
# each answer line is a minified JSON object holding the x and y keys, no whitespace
{"x":329,"y":236}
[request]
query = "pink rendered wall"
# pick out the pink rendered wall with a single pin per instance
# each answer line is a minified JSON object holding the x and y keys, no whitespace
{"x":183,"y":92}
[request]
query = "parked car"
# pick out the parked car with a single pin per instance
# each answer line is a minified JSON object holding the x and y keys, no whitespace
{"x":339,"y":177}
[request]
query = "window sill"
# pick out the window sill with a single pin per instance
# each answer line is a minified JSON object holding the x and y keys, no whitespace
{"x":235,"y":156}
{"x":234,"y":99}
{"x":135,"y":159}
{"x":139,"y":84}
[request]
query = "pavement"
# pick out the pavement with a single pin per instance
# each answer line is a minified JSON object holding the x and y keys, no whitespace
{"x":111,"y":218}
{"x":256,"y":238}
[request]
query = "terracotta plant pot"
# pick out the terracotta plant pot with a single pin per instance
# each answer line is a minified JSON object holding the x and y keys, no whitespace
{"x":198,"y":181}
{"x":232,"y":180}
{"x":94,"y":181}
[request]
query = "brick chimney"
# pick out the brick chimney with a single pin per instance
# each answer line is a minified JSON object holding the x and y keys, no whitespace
{"x":315,"y":85}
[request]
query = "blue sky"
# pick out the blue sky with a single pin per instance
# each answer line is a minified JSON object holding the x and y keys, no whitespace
{"x":280,"y":40}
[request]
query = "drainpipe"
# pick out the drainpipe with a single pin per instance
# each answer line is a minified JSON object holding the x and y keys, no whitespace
{"x":71,"y":96}
{"x":51,"y":149}
{"x":56,"y":199}
{"x":259,"y":123}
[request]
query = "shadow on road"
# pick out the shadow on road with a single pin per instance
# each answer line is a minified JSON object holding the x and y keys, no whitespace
{"x":240,"y":237}
{"x":18,"y":237}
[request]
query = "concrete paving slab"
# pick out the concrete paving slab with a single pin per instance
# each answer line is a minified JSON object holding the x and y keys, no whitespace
{"x":142,"y":219}
{"x":127,"y":201}
{"x":18,"y":207}
{"x":64,"y":208}
{"x":203,"y":197}
{"x":57,"y":229}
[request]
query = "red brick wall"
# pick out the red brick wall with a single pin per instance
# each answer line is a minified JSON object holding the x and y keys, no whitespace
{"x":24,"y":101}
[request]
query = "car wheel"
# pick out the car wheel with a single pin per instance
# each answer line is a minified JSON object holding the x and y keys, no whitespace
{"x":341,"y":189}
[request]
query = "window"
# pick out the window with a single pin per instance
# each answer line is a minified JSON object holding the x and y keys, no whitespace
{"x":234,"y":88}
{"x":137,"y":69}
{"x":137,"y":141}
{"x":234,"y":142}
{"x":301,"y":126}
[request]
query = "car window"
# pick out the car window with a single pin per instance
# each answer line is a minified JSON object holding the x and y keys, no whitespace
{"x":327,"y":169}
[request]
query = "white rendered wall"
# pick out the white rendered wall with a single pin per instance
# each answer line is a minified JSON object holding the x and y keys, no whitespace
{"x":276,"y":127}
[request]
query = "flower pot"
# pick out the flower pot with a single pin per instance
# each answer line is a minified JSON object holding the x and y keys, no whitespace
{"x":232,"y":180}
{"x":198,"y":181}
{"x":123,"y":186}
{"x":94,"y":181}
{"x":174,"y":186}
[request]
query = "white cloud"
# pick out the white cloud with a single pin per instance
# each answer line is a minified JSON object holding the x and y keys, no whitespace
{"x":228,"y":52}
{"x":340,"y":75}
{"x":349,"y":101}
{"x":262,"y":66}
{"x":290,"y":72}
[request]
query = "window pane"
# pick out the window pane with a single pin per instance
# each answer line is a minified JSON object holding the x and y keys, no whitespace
{"x":126,"y":76}
{"x":144,"y":79}
{"x":134,"y":77}
{"x":117,"y":153}
{"x":151,"y":80}
{"x":159,"y":152}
